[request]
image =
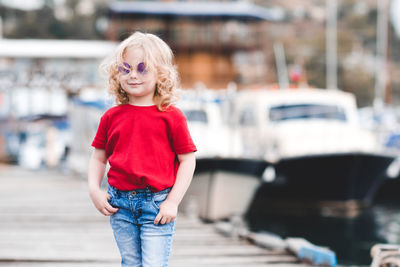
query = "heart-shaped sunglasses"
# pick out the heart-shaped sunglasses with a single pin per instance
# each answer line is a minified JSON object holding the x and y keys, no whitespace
{"x":126,"y":68}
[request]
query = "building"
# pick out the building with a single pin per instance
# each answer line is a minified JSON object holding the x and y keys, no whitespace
{"x":215,"y":43}
{"x":33,"y":72}
{"x":39,"y":118}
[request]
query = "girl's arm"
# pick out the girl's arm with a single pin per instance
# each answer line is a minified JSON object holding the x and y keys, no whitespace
{"x":169,"y":208}
{"x":97,"y":168}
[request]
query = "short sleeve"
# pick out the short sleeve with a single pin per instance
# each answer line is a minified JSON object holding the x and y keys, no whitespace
{"x":181,"y":140}
{"x":100,"y":139}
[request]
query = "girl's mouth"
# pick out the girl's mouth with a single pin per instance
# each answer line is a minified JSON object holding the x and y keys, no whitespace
{"x":135,"y":84}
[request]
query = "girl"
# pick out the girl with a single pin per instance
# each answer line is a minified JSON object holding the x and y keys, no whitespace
{"x":146,"y":141}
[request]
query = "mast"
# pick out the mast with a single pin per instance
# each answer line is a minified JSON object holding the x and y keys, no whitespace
{"x":381,"y":54}
{"x":280,"y":59}
{"x":331,"y":44}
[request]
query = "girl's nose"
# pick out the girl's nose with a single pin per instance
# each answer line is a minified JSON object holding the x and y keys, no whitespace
{"x":133,"y":73}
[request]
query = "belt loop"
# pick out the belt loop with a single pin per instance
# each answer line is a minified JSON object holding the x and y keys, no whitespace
{"x":114,"y":190}
{"x":148,"y":193}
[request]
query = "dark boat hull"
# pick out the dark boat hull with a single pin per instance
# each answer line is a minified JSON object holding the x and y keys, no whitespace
{"x":252,"y":167}
{"x":223,"y":187}
{"x":331,"y":177}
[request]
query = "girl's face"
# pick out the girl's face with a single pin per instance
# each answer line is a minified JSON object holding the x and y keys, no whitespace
{"x":136,"y":79}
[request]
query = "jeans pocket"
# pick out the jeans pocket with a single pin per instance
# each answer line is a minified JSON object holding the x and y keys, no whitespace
{"x":111,"y":193}
{"x":158,"y":199}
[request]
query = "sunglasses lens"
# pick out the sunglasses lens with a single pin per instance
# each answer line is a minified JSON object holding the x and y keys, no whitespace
{"x":122,"y":70}
{"x":141,"y":68}
{"x":126,"y":68}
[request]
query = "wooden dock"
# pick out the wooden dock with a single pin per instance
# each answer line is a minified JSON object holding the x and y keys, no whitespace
{"x":47,"y":219}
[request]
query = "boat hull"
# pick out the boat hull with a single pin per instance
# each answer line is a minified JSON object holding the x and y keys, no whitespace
{"x":331,"y":177}
{"x":225,"y":187}
{"x":222,"y":188}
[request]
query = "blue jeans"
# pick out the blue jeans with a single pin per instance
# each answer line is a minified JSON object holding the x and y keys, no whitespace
{"x":140,"y":242}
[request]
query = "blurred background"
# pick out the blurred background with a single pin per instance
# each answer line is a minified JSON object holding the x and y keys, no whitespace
{"x":52,"y":93}
{"x":50,"y":51}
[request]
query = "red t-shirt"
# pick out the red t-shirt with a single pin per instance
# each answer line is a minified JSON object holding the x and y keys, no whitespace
{"x":141,"y":144}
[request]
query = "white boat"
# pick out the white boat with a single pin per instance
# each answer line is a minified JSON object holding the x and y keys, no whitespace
{"x":208,"y":127}
{"x":217,"y":158}
{"x":276,"y":124}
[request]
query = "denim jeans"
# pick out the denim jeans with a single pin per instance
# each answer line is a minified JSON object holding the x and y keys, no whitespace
{"x":140,"y":242}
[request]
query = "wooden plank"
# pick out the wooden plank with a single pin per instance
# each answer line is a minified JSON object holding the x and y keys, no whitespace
{"x":227,"y":260}
{"x":49,"y":220}
{"x":116,"y":264}
{"x":60,"y":264}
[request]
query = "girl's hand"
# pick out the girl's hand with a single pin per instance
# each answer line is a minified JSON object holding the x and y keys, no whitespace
{"x":99,"y":198}
{"x":167,"y":213}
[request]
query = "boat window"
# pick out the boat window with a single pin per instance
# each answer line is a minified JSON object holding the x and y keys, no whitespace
{"x":306,"y":111}
{"x":195,"y":115}
{"x":247,"y":117}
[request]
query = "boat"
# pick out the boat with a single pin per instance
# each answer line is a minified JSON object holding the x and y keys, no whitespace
{"x":297,"y":145}
{"x":218,"y":161}
{"x":313,"y":138}
{"x":209,"y":128}
{"x":385,"y":123}
{"x":223,"y":187}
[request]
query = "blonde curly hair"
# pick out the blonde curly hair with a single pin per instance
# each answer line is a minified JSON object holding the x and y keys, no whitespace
{"x":158,"y":57}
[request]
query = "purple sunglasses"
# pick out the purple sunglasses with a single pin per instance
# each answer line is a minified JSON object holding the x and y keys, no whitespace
{"x":126,"y":68}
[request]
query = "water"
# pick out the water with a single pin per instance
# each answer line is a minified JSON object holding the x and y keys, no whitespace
{"x":350,"y":237}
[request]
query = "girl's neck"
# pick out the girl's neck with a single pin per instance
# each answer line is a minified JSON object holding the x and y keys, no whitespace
{"x":141,"y":103}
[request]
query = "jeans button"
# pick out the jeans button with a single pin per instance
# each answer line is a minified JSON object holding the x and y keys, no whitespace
{"x":133,"y":193}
